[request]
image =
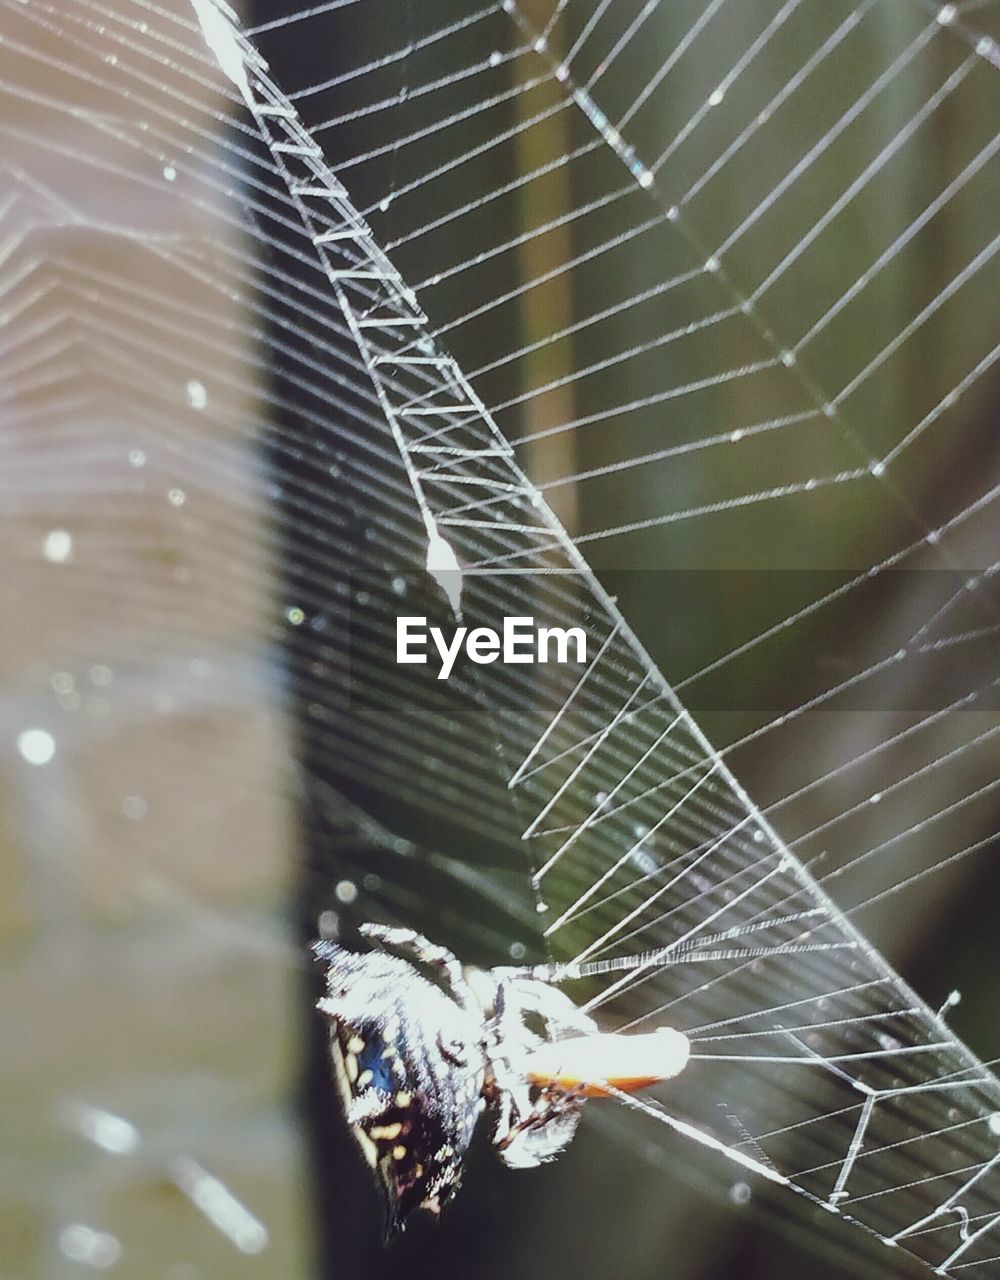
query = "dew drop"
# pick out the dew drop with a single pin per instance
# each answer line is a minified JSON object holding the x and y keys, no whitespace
{"x":134,"y":807}
{"x":58,"y":546}
{"x":197,"y":394}
{"x":97,"y":1249}
{"x":37,"y":746}
{"x":346,"y":892}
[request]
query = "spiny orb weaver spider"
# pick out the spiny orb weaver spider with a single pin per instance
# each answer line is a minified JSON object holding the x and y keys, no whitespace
{"x":422,"y":1046}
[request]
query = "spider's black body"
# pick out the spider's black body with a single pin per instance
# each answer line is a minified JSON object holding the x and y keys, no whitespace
{"x":409,"y":1063}
{"x":417,"y":1063}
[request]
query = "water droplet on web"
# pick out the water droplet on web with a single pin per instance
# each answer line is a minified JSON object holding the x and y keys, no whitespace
{"x":37,"y":746}
{"x":169,"y":173}
{"x":712,"y":265}
{"x":541,"y":907}
{"x":295,"y":615}
{"x":644,"y":861}
{"x":516,"y":950}
{"x":62,"y":682}
{"x":83,"y":1244}
{"x":740,"y":1193}
{"x":197,"y":394}
{"x":176,"y":497}
{"x":136,"y":458}
{"x":496,"y":57}
{"x":716,"y":96}
{"x":346,"y":892}
{"x":58,"y":546}
{"x":134,"y":807}
{"x":104,"y":1129}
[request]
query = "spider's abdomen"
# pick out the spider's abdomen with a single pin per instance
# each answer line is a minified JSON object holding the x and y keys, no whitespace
{"x":409,"y":1066}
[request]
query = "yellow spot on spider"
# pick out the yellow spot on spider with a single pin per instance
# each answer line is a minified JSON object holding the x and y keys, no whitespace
{"x":403,"y":1098}
{"x":385,"y":1132}
{"x":365,"y":1078}
{"x":355,"y":1044}
{"x":418,"y":1171}
{"x":389,"y":1051}
{"x":351,"y":1067}
{"x":399,"y":1153}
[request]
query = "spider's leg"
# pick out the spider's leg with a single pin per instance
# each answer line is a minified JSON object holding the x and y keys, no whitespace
{"x":416,"y":947}
{"x":532,"y":995}
{"x":542,"y":1133}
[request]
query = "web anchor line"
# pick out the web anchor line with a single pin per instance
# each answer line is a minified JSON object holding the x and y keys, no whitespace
{"x":438,"y":422}
{"x":447,"y":441}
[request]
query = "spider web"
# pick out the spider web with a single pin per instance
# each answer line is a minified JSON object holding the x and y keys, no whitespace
{"x":549,"y":254}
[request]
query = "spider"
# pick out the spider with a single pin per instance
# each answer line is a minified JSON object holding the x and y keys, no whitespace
{"x":422,"y":1046}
